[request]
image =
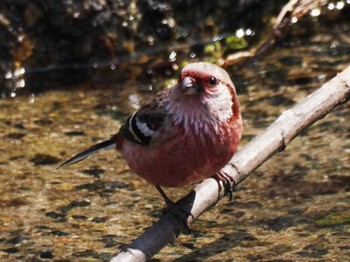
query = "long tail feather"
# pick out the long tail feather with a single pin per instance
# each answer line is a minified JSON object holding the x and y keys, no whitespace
{"x":108,"y":144}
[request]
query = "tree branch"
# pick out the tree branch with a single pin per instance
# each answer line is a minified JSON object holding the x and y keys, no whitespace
{"x":274,"y":139}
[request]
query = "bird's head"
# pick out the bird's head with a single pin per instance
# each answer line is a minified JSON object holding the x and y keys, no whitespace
{"x":203,"y":79}
{"x":205,"y":90}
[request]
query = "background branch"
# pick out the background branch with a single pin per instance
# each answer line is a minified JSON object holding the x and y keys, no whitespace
{"x":274,"y":139}
{"x":293,"y":9}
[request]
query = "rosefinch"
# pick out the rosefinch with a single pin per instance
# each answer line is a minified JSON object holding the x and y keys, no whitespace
{"x":183,"y":134}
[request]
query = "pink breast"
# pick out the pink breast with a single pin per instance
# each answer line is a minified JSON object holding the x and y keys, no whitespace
{"x":182,"y":160}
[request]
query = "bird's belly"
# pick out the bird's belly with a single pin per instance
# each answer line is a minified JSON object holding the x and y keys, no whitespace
{"x":178,"y":164}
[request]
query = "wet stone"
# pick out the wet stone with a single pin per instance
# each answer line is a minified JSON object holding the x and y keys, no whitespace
{"x":86,"y":253}
{"x":280,"y":249}
{"x":233,"y":213}
{"x":313,"y":251}
{"x":14,"y":135}
{"x":300,"y":80}
{"x":95,"y":172}
{"x":42,"y":227}
{"x":211,"y":224}
{"x":240,"y":238}
{"x":14,"y":158}
{"x":44,"y":159}
{"x":281,"y":260}
{"x":109,"y":241}
{"x":246,"y":205}
{"x":296,"y":211}
{"x":75,"y":133}
{"x":74,"y":204}
{"x":43,"y":122}
{"x":334,"y":219}
{"x":62,"y":260}
{"x":11,"y":250}
{"x":35,"y":259}
{"x":104,"y":256}
{"x":300,"y":189}
{"x":105,"y":186}
{"x":16,"y":240}
{"x":90,"y":186}
{"x":325,"y":126}
{"x":340,"y":182}
{"x":58,"y":233}
{"x":16,"y":202}
{"x":106,"y":195}
{"x":191,"y":246}
{"x":278,"y":223}
{"x":46,"y":254}
{"x":280,"y":100}
{"x":99,"y":219}
{"x":77,"y":226}
{"x":244,"y":235}
{"x":79,"y":217}
{"x":19,"y":126}
{"x":254,"y":257}
{"x":55,"y":215}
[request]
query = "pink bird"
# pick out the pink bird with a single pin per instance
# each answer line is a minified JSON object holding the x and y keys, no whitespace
{"x":183,"y":134}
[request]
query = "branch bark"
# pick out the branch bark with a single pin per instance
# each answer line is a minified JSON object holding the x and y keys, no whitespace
{"x":273,"y":140}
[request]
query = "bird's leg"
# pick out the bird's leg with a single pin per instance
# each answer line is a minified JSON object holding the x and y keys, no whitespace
{"x":169,"y":203}
{"x":226,"y":181}
{"x":177,"y":211}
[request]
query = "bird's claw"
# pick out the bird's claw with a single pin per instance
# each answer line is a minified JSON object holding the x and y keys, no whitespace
{"x":227,"y":182}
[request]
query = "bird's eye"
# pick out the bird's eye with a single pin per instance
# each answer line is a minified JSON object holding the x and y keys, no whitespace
{"x":212,"y":81}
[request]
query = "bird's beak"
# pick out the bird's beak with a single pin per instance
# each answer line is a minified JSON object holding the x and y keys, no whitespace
{"x":189,"y":86}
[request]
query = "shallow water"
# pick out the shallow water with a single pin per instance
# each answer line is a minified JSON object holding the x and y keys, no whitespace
{"x":293,"y":208}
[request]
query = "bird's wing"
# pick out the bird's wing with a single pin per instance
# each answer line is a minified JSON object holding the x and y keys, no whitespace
{"x":142,"y":127}
{"x":108,"y":144}
{"x":146,"y":124}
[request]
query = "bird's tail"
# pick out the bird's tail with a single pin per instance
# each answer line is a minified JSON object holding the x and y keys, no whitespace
{"x":108,"y":144}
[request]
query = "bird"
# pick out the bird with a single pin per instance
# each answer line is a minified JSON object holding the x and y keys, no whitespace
{"x":183,"y":134}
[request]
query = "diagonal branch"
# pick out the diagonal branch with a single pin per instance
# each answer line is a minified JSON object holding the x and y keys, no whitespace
{"x":273,"y":140}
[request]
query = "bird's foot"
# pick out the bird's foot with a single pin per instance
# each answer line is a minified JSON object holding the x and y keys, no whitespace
{"x":176,"y":211}
{"x":227,"y":182}
{"x":180,"y":213}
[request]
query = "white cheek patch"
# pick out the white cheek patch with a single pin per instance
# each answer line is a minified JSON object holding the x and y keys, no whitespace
{"x":220,"y":105}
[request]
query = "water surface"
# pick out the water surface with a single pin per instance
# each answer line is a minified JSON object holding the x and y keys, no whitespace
{"x":293,"y":208}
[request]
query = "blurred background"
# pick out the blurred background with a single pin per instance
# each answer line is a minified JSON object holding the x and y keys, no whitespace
{"x":72,"y":71}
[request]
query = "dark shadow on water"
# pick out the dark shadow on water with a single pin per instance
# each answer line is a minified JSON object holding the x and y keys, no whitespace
{"x":222,"y":244}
